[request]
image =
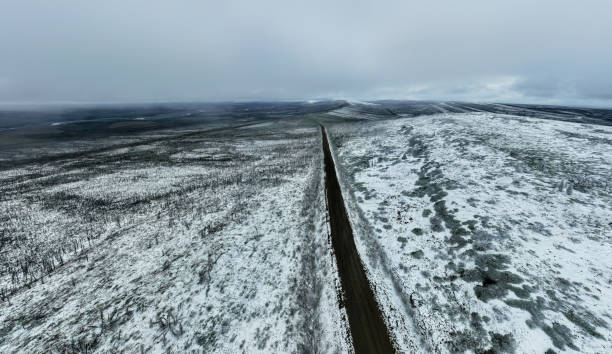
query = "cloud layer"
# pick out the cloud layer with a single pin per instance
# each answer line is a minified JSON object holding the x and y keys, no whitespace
{"x":549,"y":51}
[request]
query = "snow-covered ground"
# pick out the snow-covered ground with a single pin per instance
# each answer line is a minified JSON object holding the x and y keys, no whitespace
{"x":483,"y":231}
{"x":207,"y":243}
{"x":480,"y":231}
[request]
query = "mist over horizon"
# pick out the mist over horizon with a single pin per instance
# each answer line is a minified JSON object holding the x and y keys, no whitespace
{"x":551,"y":52}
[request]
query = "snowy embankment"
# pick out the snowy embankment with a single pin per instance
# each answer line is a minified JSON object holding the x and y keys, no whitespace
{"x":484,"y":231}
{"x":213,"y":243}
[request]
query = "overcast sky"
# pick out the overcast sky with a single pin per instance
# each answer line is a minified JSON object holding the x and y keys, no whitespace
{"x":548,"y":51}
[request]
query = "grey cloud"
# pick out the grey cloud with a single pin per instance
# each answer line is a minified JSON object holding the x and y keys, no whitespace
{"x":476,"y":50}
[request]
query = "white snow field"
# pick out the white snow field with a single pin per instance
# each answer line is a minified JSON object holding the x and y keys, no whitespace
{"x":484,"y":232}
{"x":208,"y":243}
{"x":481,"y":228}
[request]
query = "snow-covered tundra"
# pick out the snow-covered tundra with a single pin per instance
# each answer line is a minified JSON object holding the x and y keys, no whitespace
{"x":484,"y":231}
{"x":482,"y":228}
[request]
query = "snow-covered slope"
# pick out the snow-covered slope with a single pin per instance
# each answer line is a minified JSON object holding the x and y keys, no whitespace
{"x":480,"y":231}
{"x":207,"y":243}
{"x":483,"y":231}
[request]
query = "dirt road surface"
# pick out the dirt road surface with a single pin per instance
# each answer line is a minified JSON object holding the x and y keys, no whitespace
{"x":368,"y":329}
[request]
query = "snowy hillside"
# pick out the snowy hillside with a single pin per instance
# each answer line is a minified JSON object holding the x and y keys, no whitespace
{"x":484,"y":231}
{"x":452,"y":227}
{"x":215,"y":242}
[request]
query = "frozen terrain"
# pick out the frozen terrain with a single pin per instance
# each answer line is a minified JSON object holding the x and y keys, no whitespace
{"x":214,"y":242}
{"x":482,"y":228}
{"x":484,"y":231}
